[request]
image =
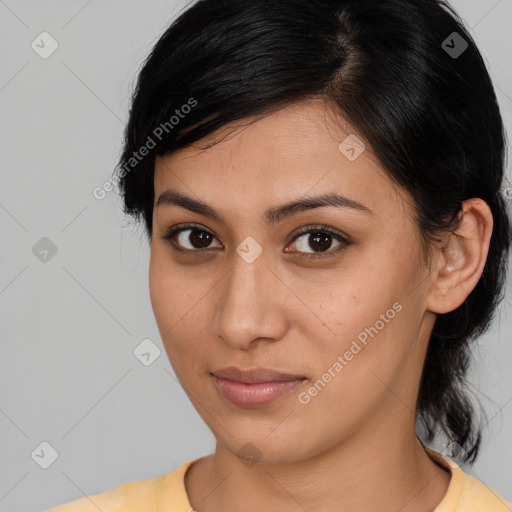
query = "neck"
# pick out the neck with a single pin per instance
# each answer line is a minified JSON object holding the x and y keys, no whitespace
{"x":385,"y":469}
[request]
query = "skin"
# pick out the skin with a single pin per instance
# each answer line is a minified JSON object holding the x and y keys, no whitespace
{"x":353,"y":446}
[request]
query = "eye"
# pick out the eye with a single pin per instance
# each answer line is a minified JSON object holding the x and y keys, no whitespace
{"x":316,"y":241}
{"x":190,"y":237}
{"x":195,"y":238}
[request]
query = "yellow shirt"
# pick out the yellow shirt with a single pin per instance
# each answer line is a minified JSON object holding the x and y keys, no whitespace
{"x":167,"y":493}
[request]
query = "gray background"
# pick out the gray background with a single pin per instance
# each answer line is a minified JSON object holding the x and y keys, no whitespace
{"x":69,"y":326}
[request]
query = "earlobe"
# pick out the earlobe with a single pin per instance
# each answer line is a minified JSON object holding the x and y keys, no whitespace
{"x":461,"y":259}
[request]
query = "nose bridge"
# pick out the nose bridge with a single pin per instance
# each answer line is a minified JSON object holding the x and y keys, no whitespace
{"x":248,"y":305}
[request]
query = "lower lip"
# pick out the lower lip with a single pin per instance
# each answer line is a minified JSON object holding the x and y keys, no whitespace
{"x":255,"y":394}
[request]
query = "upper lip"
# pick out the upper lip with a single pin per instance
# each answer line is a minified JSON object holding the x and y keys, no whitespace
{"x":253,"y":375}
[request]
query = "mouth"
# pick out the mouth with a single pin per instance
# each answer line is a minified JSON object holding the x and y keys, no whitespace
{"x":255,"y":387}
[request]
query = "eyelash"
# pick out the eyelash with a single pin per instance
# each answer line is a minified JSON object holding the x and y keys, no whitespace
{"x":344,"y":242}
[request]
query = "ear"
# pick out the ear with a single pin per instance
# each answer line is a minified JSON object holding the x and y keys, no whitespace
{"x":459,"y":260}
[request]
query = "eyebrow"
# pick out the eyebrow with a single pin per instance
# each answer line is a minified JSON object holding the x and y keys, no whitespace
{"x":272,"y":215}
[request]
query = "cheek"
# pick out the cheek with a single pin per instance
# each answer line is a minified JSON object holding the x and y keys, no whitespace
{"x":365,"y":314}
{"x":166,"y":289}
{"x":169,"y":288}
{"x":158,"y":290}
{"x":343,"y":303}
{"x":177,"y":307}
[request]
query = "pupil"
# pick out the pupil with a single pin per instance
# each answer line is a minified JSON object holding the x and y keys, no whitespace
{"x":318,"y":240}
{"x":202,"y":238}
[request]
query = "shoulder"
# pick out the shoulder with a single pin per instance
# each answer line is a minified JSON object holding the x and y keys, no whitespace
{"x":156,"y":494}
{"x":141,"y":493}
{"x":466,"y":493}
{"x":476,"y":496}
{"x":153,"y":494}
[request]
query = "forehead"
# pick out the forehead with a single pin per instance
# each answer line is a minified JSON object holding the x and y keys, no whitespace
{"x":294,"y":151}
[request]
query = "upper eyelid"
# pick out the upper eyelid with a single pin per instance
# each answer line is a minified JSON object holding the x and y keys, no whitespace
{"x":304,"y":230}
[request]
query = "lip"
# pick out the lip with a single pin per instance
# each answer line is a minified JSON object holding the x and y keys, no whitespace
{"x":254,"y":375}
{"x":256,"y":387}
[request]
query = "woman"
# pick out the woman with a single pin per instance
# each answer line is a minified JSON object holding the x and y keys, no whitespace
{"x":320,"y":186}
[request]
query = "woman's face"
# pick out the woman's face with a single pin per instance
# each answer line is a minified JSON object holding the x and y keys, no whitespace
{"x":244,"y":290}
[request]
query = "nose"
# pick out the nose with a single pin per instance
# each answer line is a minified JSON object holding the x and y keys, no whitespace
{"x":251,"y":304}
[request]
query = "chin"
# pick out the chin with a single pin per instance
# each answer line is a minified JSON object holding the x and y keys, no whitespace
{"x":267,"y":452}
